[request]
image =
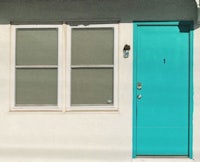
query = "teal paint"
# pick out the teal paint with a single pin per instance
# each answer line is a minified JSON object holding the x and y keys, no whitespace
{"x":163,"y":65}
{"x":134,"y":134}
{"x":191,"y":94}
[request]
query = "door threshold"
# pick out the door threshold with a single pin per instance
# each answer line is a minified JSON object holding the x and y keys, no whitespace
{"x":165,"y":156}
{"x":162,"y":159}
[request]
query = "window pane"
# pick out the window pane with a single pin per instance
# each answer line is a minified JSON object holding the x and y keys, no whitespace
{"x":37,"y":47}
{"x":36,"y":86}
{"x":92,"y":46}
{"x":92,"y":86}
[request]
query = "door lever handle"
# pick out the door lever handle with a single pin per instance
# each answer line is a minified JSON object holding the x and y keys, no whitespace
{"x":139,"y":96}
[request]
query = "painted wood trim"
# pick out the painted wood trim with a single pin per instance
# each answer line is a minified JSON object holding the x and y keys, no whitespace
{"x":134,"y":116}
{"x":70,"y":107}
{"x":68,"y":67}
{"x":64,"y":70}
{"x":91,"y":66}
{"x":13,"y":106}
{"x":191,"y":99}
{"x":36,"y":66}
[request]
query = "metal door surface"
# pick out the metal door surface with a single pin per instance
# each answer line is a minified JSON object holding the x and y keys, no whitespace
{"x":162,"y":95}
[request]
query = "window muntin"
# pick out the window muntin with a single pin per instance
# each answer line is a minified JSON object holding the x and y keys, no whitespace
{"x":36,"y":66}
{"x":93,"y":66}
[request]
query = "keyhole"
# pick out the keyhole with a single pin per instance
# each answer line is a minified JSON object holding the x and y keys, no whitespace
{"x":164,"y":60}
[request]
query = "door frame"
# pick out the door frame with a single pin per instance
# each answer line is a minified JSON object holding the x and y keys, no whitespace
{"x":190,"y":104}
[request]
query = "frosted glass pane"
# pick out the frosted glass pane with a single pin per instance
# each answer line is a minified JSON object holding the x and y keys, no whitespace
{"x":37,"y":47}
{"x":92,"y":86}
{"x":36,"y":86}
{"x":92,"y":46}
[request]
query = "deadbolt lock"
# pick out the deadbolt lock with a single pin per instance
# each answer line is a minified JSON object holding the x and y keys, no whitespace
{"x":139,"y":85}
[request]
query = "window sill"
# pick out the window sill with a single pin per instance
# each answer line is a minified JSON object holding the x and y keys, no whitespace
{"x":92,"y":108}
{"x":67,"y":110}
{"x":36,"y":109}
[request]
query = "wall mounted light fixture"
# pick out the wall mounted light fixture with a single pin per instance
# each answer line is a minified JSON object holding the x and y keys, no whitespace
{"x":126,"y":50}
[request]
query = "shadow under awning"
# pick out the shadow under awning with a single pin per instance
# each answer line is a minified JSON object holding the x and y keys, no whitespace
{"x":72,"y":11}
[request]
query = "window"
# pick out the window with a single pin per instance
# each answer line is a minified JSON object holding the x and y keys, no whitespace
{"x":93,"y":66}
{"x":90,"y":67}
{"x":36,"y":66}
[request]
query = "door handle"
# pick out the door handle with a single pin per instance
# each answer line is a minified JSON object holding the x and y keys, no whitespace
{"x":139,"y":96}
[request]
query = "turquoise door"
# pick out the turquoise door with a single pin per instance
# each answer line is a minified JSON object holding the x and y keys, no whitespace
{"x":162,"y":90}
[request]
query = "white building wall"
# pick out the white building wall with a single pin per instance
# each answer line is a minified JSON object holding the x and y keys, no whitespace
{"x":79,"y":136}
{"x":69,"y":136}
{"x":196,"y":121}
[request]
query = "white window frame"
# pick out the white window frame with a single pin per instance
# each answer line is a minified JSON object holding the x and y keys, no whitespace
{"x":69,"y":107}
{"x":35,"y":107}
{"x":64,"y":71}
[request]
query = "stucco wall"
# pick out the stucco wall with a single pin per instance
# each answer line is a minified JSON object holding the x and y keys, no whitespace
{"x":196,"y":121}
{"x":70,"y":136}
{"x":79,"y":136}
